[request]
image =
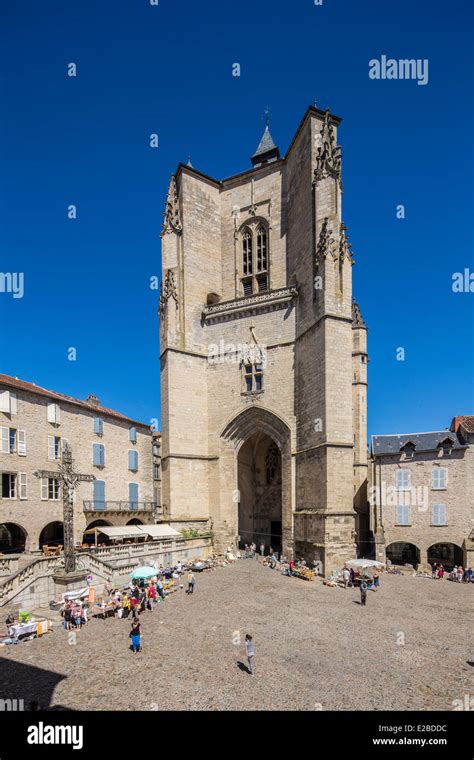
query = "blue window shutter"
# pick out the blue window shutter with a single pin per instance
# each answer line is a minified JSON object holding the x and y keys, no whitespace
{"x":102,"y":454}
{"x":133,"y":435}
{"x":96,"y":453}
{"x":99,"y":494}
{"x":130,"y":460}
{"x":133,"y":495}
{"x":136,"y":460}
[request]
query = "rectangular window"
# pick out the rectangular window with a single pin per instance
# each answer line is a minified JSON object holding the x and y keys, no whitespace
{"x":8,"y":402}
{"x":54,"y":447}
{"x":247,"y":286}
{"x":133,"y":434}
{"x":54,"y":414}
{"x":258,"y":375}
{"x":98,"y":491}
{"x":23,"y":485}
{"x":253,"y":378}
{"x":53,"y":489}
{"x":12,"y":441}
{"x":133,"y":495}
{"x":403,"y":514}
{"x":439,"y":478}
{"x":403,"y":480}
{"x":22,"y":443}
{"x":262,"y":282}
{"x":133,"y":460}
{"x":248,"y":378}
{"x":98,"y":426}
{"x":438,"y":514}
{"x":98,"y":454}
{"x":9,"y":480}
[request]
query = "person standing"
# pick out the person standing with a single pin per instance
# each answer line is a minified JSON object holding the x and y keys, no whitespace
{"x":363,"y":592}
{"x":346,"y":576}
{"x":160,"y":589}
{"x":135,"y":635}
{"x":249,"y":652}
{"x":262,"y":549}
{"x":191,"y":582}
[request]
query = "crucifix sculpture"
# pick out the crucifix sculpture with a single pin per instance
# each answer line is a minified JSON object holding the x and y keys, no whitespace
{"x":69,"y":480}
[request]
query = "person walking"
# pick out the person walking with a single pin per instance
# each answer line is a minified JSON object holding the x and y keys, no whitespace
{"x":363,"y":592}
{"x":135,"y":635}
{"x":249,"y":652}
{"x":191,"y":583}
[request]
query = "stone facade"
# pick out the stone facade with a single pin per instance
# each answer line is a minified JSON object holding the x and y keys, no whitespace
{"x":26,"y":506}
{"x":422,"y":497}
{"x":260,"y":339}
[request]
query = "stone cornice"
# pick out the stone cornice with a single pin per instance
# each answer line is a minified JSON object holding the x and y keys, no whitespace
{"x":250,"y":304}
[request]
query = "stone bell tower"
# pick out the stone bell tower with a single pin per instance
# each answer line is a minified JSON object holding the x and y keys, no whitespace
{"x":273,"y":450}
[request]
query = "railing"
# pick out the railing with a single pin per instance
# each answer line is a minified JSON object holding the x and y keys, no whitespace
{"x":120,"y":506}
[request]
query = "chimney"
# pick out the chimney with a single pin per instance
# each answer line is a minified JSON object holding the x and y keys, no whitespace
{"x":91,"y":399}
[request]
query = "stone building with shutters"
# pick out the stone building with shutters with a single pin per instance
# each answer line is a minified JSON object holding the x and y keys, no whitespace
{"x":264,"y":353}
{"x":422,"y":496}
{"x":34,"y":425}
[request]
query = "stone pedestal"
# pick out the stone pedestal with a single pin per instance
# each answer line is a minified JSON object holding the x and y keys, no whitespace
{"x":379,"y":541}
{"x":66,"y":582}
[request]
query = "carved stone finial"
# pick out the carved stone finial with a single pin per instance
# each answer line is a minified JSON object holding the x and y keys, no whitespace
{"x":328,"y":156}
{"x":345,"y":247}
{"x":172,"y":217}
{"x":168,"y":290}
{"x":357,"y":320}
{"x":326,"y":243}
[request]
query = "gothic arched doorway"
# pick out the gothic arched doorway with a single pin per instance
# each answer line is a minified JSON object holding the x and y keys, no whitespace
{"x":259,"y":485}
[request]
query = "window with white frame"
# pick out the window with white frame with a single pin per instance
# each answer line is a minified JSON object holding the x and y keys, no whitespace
{"x":54,"y":414}
{"x":54,"y":447}
{"x":402,"y":516}
{"x":403,"y":480}
{"x":439,"y":478}
{"x":50,"y":489}
{"x":12,"y":441}
{"x":8,"y":402}
{"x":438,"y":514}
{"x":9,"y":485}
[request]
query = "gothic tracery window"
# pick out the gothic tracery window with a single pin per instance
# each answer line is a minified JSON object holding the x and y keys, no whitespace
{"x":271,"y":462}
{"x":255,"y":259}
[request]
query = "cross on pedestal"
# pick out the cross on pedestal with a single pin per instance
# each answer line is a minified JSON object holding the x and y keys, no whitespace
{"x":69,"y":480}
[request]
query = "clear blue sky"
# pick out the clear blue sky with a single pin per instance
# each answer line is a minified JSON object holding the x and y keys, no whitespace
{"x":168,"y":69}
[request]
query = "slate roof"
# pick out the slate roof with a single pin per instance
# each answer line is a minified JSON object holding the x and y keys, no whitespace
{"x":15,"y":382}
{"x":390,"y":444}
{"x":265,"y":144}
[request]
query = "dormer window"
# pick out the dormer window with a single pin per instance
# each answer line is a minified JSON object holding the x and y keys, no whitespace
{"x":254,"y":240}
{"x":408,"y":449}
{"x":446,"y":446}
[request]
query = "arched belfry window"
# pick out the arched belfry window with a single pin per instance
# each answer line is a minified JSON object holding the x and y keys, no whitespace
{"x":255,"y":259}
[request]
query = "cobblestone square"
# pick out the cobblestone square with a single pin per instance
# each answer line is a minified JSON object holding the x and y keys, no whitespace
{"x":316,"y":648}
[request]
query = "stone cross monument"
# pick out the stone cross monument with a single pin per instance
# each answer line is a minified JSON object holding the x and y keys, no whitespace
{"x":69,"y":481}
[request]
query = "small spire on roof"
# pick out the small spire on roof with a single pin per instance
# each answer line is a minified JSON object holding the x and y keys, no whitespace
{"x":267,"y":150}
{"x":189,"y":162}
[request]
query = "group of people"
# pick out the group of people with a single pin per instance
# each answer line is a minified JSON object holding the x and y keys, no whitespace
{"x":457,"y":574}
{"x":74,"y":614}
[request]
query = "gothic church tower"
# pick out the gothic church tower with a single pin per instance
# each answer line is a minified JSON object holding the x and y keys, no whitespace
{"x":262,"y":385}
